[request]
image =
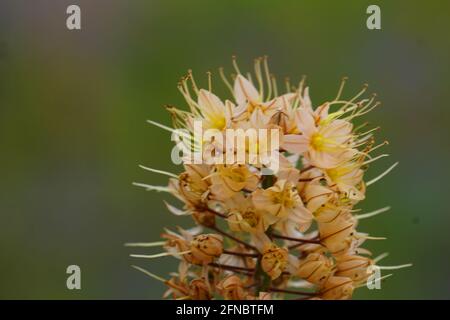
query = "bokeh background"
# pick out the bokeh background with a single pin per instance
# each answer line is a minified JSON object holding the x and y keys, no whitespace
{"x":73,"y":106}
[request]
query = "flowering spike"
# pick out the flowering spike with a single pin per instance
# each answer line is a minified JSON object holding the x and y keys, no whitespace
{"x":273,"y":216}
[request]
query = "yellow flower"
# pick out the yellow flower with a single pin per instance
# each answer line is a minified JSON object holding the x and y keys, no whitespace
{"x":214,"y":113}
{"x":325,"y":145}
{"x":227,"y":180}
{"x":282,"y":201}
{"x":191,"y":186}
{"x":243,"y":216}
{"x":347,"y":178}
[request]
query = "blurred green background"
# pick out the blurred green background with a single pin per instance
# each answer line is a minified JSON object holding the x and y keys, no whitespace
{"x":73,"y":106}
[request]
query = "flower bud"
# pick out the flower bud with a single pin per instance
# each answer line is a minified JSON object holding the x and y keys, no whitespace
{"x":244,"y":221}
{"x":316,"y":268}
{"x":336,"y":235}
{"x":274,"y":260}
{"x":231,"y":288}
{"x":354,"y":267}
{"x":190,"y":189}
{"x":176,"y":244}
{"x":207,"y":247}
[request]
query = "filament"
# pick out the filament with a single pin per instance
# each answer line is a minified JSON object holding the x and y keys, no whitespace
{"x":382,"y":175}
{"x":158,"y":255}
{"x":371,"y":214}
{"x":145,"y":244}
{"x":151,"y":188}
{"x":159,"y":171}
{"x":154,"y":276}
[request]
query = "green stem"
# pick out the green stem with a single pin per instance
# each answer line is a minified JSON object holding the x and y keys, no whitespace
{"x":262,"y":279}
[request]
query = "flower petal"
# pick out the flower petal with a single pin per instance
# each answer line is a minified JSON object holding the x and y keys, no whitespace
{"x":245,"y":91}
{"x":295,"y":143}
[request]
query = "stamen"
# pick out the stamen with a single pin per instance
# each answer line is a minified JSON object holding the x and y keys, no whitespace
{"x":149,"y":187}
{"x":364,"y":140}
{"x":380,"y":257}
{"x":259,"y":78}
{"x":385,"y":143}
{"x":371,"y":214}
{"x":365,"y":86}
{"x":191,"y":77}
{"x":360,"y":126}
{"x":176,"y":211}
{"x":382,"y":175}
{"x":159,"y":171}
{"x":159,"y":255}
{"x":194,"y":84}
{"x":274,"y":85}
{"x":225,"y":80}
{"x":187,"y":96}
{"x":301,"y":85}
{"x":154,"y":276}
{"x":287,"y":82}
{"x":209,"y":81}
{"x":363,"y":111}
{"x":368,"y":102}
{"x":341,"y":87}
{"x":176,"y":131}
{"x":369,"y":131}
{"x":268,"y":79}
{"x":249,"y":77}
{"x":374,"y":159}
{"x":235,"y":65}
{"x":145,"y":244}
{"x":401,"y":266}
{"x":371,"y":238}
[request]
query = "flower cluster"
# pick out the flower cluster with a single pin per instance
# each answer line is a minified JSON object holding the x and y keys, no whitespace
{"x":289,"y":233}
